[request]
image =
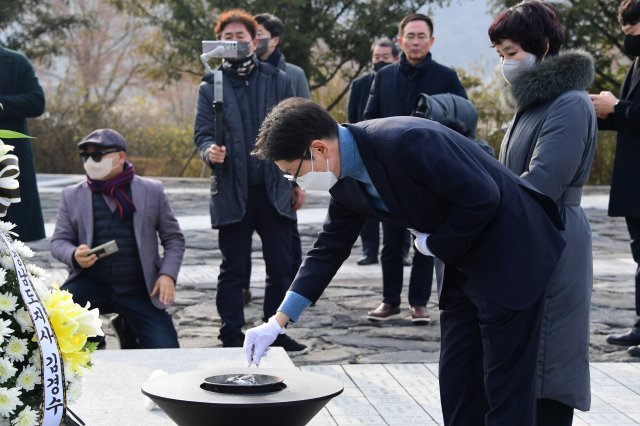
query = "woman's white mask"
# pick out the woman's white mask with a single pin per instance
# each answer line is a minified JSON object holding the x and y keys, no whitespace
{"x":317,"y":181}
{"x":511,"y":68}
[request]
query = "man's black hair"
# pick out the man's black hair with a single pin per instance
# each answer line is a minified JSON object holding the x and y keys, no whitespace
{"x":415,"y":17}
{"x":271,"y":23}
{"x":288,"y":130}
{"x":629,"y":12}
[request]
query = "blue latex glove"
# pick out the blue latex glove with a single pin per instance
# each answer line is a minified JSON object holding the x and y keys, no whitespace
{"x":421,"y":242}
{"x":258,"y":339}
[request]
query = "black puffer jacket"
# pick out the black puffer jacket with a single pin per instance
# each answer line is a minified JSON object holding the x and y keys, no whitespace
{"x":229,"y":204}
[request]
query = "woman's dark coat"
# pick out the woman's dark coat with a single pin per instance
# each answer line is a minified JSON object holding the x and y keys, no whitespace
{"x":21,"y":96}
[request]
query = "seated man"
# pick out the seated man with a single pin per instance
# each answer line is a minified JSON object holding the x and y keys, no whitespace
{"x":114,"y":204}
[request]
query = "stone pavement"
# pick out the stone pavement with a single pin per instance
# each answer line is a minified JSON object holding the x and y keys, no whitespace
{"x":336,"y":326}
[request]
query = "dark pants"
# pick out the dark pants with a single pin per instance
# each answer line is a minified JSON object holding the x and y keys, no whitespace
{"x":276,"y":233}
{"x":370,"y":237}
{"x":487,"y":358}
{"x":297,"y":252}
{"x":633,"y":225}
{"x":421,"y":277}
{"x":553,"y":413}
{"x":151,"y":326}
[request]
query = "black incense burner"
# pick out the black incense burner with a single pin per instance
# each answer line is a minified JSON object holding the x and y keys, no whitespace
{"x":242,"y":396}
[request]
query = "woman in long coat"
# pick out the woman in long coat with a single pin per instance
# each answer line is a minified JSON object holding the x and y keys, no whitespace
{"x":551,"y":143}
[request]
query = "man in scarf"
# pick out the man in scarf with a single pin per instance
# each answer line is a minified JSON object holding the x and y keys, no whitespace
{"x":248,"y":195}
{"x":115,"y":205}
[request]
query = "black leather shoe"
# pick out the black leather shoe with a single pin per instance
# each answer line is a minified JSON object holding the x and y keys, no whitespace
{"x":634,"y":351}
{"x":367,"y":260}
{"x":630,"y":338}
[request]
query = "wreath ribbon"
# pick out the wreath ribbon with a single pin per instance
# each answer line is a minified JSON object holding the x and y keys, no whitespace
{"x":54,"y":399}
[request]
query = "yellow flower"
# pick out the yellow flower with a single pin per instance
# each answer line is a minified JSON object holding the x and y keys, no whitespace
{"x":72,"y":325}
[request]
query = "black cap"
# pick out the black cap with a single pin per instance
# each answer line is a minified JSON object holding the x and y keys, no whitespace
{"x":104,"y":138}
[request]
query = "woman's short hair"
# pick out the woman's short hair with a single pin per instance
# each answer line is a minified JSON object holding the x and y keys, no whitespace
{"x":236,"y":16}
{"x":531,"y":24}
{"x":629,"y":12}
{"x":288,"y":130}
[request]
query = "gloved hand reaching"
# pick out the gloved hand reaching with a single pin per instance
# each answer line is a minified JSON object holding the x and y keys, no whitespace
{"x":258,"y":339}
{"x":421,"y":242}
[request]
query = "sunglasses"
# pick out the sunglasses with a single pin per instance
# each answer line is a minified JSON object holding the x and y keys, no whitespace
{"x":95,"y":155}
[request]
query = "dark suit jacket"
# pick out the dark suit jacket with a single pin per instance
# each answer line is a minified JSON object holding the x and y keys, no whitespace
{"x":153,"y":218}
{"x":358,"y":96}
{"x":483,"y":219}
{"x":623,"y":199}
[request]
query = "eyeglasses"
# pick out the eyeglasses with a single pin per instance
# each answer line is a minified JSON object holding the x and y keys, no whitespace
{"x":95,"y":155}
{"x":294,"y":177}
{"x":421,"y":37}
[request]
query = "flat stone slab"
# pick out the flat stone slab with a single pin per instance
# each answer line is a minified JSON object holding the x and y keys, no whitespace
{"x":374,"y":394}
{"x":111,"y":392}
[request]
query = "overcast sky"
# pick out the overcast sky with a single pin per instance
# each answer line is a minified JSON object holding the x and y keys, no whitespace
{"x":461,"y":36}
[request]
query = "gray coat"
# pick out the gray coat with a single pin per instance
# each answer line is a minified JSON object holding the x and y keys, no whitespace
{"x":298,"y":78}
{"x":551,"y":143}
{"x":229,"y":204}
{"x":153,"y":219}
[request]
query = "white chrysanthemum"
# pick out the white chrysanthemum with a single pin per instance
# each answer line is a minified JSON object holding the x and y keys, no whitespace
{"x":7,"y":370}
{"x":23,"y":250}
{"x":26,"y":417}
{"x":38,"y":283}
{"x":7,"y":302}
{"x":36,"y":271}
{"x":16,"y":349}
{"x":3,"y":277}
{"x":6,"y":226}
{"x":41,"y":289}
{"x":6,"y":262}
{"x":74,"y":391}
{"x":5,"y":330}
{"x":28,"y":378}
{"x":35,"y":360}
{"x":9,"y":400}
{"x":23,"y":319}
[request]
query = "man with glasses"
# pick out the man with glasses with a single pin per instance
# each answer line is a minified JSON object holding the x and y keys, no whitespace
{"x":497,"y":237}
{"x":107,"y":233}
{"x":393,"y":93}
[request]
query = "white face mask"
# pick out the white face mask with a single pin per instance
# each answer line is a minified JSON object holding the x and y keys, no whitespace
{"x":98,"y":171}
{"x":317,"y":181}
{"x":511,"y":68}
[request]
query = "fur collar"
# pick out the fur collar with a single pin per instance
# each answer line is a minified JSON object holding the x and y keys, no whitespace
{"x":555,"y":75}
